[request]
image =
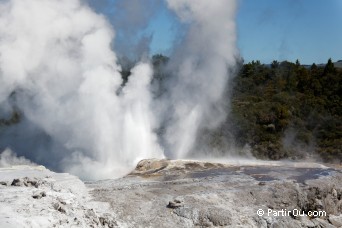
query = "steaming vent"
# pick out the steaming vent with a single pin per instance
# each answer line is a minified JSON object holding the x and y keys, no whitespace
{"x":68,"y":106}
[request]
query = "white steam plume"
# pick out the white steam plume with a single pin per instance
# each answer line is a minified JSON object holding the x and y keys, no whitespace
{"x":202,"y":62}
{"x":130,"y":18}
{"x":56,"y":55}
{"x":8,"y":158}
{"x":58,"y":69}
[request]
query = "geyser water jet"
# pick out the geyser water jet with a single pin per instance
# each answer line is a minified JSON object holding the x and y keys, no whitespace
{"x":56,"y":56}
{"x":201,"y":62}
{"x":58,"y":68}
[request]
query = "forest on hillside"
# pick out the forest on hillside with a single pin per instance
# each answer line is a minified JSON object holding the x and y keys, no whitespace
{"x":283,"y":110}
{"x":287,"y":110}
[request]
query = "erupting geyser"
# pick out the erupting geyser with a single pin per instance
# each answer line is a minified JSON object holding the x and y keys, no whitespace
{"x":57,"y":67}
{"x":201,"y":62}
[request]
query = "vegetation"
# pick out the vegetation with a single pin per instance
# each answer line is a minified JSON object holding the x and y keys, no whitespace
{"x":282,"y":110}
{"x":287,"y":110}
{"x":14,"y":119}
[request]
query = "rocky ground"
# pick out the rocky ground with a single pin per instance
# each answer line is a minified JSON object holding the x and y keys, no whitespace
{"x":169,"y":193}
{"x":166,"y":193}
{"x":32,"y":196}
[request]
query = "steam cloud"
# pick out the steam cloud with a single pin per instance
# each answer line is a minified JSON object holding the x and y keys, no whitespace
{"x":57,"y":67}
{"x":202,"y":62}
{"x":57,"y":55}
{"x":129,"y":18}
{"x":9,"y":158}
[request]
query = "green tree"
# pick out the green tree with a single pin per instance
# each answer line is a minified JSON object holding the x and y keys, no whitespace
{"x":274,"y":64}
{"x":329,"y":67}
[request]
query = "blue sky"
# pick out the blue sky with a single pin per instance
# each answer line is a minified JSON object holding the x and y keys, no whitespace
{"x":308,"y":30}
